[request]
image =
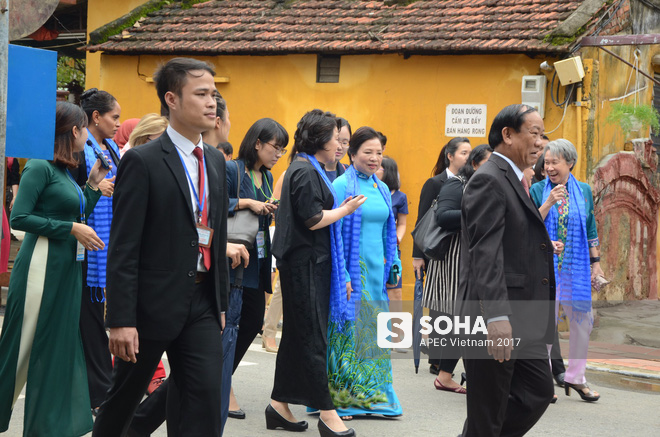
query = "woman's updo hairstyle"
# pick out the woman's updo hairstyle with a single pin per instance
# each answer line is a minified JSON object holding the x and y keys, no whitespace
{"x":96,"y":100}
{"x":363,"y":134}
{"x":314,"y":130}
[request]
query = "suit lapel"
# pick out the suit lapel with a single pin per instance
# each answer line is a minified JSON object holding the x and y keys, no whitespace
{"x":173,"y":161}
{"x":517,"y":186}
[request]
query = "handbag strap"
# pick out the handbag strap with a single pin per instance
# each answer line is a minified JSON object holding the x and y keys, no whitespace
{"x":239,"y":178}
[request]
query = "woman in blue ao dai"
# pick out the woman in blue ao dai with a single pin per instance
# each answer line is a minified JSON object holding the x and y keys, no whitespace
{"x":359,"y":372}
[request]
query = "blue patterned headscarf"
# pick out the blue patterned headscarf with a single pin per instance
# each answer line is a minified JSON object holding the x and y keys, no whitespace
{"x":574,"y":277}
{"x":351,"y":228}
{"x":339,"y":306}
{"x":100,"y":220}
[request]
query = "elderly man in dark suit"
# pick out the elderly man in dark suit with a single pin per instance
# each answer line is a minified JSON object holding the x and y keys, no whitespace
{"x":507,"y":277}
{"x":167,"y":270}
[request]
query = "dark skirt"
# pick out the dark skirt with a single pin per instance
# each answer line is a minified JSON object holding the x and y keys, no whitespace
{"x":301,"y":375}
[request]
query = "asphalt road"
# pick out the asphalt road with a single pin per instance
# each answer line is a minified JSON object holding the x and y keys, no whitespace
{"x":623,"y":410}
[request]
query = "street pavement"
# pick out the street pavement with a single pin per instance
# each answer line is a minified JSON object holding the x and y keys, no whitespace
{"x":628,"y":404}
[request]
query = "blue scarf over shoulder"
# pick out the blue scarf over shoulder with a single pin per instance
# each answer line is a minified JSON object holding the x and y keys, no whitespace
{"x":100,"y":220}
{"x":574,"y":276}
{"x":339,"y":306}
{"x":351,"y":229}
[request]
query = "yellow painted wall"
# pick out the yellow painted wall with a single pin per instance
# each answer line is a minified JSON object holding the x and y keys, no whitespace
{"x":100,"y":13}
{"x":404,"y":98}
{"x":615,"y":80}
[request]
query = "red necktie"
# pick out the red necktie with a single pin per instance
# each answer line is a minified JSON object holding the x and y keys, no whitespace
{"x":525,"y":185}
{"x":205,"y":251}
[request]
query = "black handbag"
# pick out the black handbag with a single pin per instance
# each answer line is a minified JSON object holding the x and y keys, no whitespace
{"x":430,"y":238}
{"x":243,"y":226}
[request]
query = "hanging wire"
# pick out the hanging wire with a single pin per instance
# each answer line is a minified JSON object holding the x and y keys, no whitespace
{"x":552,"y":92}
{"x":568,"y":95}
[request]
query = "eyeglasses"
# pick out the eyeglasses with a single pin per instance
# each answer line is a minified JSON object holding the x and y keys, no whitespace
{"x":279,"y":150}
{"x":343,"y":142}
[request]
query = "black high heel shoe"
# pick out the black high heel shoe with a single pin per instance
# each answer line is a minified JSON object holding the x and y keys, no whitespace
{"x":325,"y":431}
{"x":275,"y":420}
{"x":463,"y":378}
{"x":589,"y":397}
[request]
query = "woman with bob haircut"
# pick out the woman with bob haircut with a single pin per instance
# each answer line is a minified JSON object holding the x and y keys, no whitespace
{"x":263,"y":145}
{"x":40,"y":334}
{"x":310,"y":256}
{"x":360,"y":372}
{"x":567,"y":206}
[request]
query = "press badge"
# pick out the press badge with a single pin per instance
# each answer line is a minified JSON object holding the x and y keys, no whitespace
{"x":204,"y":234}
{"x":80,"y":251}
{"x":261,"y":245}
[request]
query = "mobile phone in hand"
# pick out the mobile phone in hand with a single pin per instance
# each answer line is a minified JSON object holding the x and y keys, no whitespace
{"x":101,"y":157}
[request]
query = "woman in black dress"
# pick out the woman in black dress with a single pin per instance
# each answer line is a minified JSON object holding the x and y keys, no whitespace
{"x":307,"y":246}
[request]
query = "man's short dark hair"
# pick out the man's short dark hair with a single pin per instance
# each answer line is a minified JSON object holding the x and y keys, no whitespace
{"x":512,"y":116}
{"x":226,"y":148}
{"x":173,"y":76}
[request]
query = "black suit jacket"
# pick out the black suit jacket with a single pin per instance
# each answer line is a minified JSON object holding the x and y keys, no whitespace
{"x":429,"y":192}
{"x":153,"y":250}
{"x":506,"y":255}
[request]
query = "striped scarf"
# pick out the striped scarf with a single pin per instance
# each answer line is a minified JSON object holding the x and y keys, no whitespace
{"x":99,"y":220}
{"x":339,"y":307}
{"x":351,"y":229}
{"x":574,"y":275}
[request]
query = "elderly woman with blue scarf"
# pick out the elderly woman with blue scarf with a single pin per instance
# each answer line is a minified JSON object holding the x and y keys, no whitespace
{"x":360,"y":372}
{"x":308,"y":247}
{"x":568,"y":209}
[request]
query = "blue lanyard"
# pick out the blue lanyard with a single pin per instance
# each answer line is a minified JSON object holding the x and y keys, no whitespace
{"x":80,"y":196}
{"x":199,"y":200}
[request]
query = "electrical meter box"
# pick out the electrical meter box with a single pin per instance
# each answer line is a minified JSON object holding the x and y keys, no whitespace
{"x":569,"y":70}
{"x":533,"y":92}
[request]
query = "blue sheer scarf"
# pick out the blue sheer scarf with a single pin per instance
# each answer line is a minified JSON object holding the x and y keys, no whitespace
{"x":100,"y":220}
{"x":574,"y":276}
{"x":351,"y":230}
{"x":339,"y":306}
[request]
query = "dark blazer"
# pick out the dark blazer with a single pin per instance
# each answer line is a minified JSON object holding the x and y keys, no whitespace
{"x":430,"y":191}
{"x":506,"y":255}
{"x":152,"y":259}
{"x":448,"y":211}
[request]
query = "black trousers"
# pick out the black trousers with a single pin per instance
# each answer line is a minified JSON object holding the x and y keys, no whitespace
{"x":507,"y":399}
{"x":95,"y":344}
{"x":195,"y":358}
{"x":252,"y":319}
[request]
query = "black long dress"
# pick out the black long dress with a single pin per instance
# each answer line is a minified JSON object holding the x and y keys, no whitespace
{"x":304,"y":260}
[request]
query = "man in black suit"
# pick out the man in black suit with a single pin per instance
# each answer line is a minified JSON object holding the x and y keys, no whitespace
{"x":167,"y":270}
{"x":507,"y":277}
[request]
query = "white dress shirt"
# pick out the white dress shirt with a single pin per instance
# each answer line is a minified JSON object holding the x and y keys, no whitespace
{"x":185,"y":149}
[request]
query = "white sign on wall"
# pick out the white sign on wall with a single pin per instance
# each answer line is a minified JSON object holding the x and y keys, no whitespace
{"x":465,"y":121}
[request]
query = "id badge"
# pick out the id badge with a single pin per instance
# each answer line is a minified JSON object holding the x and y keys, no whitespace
{"x":205,"y":235}
{"x":261,"y":245}
{"x":80,"y":251}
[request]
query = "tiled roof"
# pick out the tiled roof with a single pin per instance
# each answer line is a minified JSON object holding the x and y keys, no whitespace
{"x":269,"y":27}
